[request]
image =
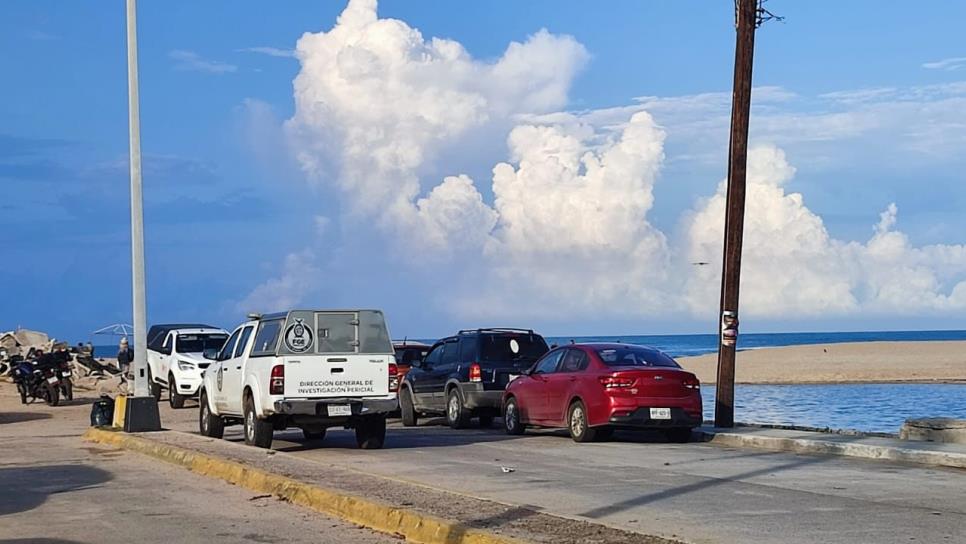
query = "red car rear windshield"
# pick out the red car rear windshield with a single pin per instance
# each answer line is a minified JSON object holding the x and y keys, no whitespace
{"x":635,"y":356}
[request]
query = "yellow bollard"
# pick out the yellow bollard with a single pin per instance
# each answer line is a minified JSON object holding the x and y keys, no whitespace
{"x":120,"y":405}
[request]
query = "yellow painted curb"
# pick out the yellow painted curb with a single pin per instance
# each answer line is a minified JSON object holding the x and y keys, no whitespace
{"x":416,"y":527}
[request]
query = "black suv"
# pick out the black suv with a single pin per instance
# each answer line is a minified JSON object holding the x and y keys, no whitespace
{"x":464,"y":376}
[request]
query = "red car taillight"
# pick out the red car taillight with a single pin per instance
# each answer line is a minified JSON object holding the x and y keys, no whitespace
{"x":692,"y":383}
{"x":476,"y":375}
{"x":393,"y":378}
{"x":614,"y":382}
{"x":277,"y":383}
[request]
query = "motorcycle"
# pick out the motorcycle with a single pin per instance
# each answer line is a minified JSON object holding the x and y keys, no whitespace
{"x":64,"y":374}
{"x":37,"y":382}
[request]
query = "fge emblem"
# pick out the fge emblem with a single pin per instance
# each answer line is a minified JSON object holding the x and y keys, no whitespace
{"x":298,"y":337}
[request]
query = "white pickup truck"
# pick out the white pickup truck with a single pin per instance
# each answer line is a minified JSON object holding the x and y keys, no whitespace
{"x":178,"y":354}
{"x":311,"y":369}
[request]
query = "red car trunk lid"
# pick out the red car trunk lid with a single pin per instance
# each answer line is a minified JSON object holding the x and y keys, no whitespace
{"x":658,"y":382}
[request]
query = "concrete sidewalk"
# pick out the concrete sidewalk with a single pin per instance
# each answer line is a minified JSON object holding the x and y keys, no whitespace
{"x":847,"y":445}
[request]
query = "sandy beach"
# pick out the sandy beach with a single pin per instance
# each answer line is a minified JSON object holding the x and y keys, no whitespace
{"x":860,"y":362}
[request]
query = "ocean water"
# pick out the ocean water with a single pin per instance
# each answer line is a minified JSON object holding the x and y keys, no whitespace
{"x":681,"y":345}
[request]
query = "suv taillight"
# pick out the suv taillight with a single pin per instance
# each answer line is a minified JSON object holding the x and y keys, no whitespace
{"x":613,"y":382}
{"x":393,"y":378}
{"x":277,"y":383}
{"x":476,"y":375}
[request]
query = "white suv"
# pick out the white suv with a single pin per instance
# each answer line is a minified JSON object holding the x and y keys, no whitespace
{"x":177,"y":359}
{"x":311,"y":369}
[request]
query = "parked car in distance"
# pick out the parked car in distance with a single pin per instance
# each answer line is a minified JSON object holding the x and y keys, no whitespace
{"x":592,"y":389}
{"x":408,"y":351}
{"x":311,"y":369}
{"x":177,"y":358}
{"x":463,"y":376}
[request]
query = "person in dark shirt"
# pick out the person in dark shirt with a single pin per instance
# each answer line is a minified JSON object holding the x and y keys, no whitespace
{"x":124,"y":357}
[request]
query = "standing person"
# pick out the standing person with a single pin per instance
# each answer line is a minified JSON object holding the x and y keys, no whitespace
{"x":124,"y":357}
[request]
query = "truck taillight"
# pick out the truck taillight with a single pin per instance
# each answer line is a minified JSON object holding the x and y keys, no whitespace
{"x":277,"y":383}
{"x":614,"y":382}
{"x":393,"y":378}
{"x":476,"y":375}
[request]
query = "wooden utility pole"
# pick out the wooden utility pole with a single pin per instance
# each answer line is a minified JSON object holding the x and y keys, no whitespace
{"x":747,"y":18}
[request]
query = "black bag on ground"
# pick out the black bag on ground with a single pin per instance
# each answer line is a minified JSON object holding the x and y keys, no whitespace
{"x":102,"y":412}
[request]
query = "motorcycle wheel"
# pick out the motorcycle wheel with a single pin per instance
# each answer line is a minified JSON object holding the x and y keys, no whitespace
{"x":51,"y":395}
{"x":68,"y":386}
{"x":22,"y":389}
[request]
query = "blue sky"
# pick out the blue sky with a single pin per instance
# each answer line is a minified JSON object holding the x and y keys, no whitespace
{"x":228,"y":202}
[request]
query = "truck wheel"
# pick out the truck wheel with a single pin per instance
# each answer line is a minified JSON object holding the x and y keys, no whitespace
{"x":258,"y":432}
{"x":175,"y":399}
{"x":153,"y":386}
{"x":511,"y":418}
{"x":406,"y":408}
{"x":456,"y":414}
{"x":580,"y":431}
{"x":371,"y":432}
{"x":51,"y":395}
{"x":209,"y":424}
{"x":311,"y":433}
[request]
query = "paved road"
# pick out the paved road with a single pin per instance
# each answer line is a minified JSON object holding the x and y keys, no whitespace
{"x":54,"y":488}
{"x":698,"y":492}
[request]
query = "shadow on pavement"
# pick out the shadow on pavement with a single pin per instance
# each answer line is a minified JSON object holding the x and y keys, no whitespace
{"x":697,"y":486}
{"x":26,"y":488}
{"x":396,"y":438}
{"x":17,"y":417}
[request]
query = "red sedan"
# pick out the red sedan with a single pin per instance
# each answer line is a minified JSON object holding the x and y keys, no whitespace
{"x":594,"y":388}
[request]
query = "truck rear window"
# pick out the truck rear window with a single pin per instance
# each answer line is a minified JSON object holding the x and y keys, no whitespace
{"x":512,"y":347}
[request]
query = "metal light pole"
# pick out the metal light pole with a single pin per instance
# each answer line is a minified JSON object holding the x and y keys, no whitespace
{"x":746,"y":14}
{"x":142,"y":409}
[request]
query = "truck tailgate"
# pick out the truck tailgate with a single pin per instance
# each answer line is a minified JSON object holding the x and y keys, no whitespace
{"x":332,"y":376}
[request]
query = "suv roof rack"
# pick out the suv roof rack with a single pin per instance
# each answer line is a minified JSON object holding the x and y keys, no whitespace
{"x":496,"y":329}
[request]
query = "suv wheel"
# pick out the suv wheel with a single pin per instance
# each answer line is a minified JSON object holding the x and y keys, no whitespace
{"x":258,"y":432}
{"x":209,"y":424}
{"x":407,"y":410}
{"x":174,"y":398}
{"x":371,"y":432}
{"x":580,"y":431}
{"x":511,"y":418}
{"x":153,"y":387}
{"x":456,"y":414}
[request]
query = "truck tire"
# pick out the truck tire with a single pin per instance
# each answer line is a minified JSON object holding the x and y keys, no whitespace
{"x":258,"y":432}
{"x":175,"y":399}
{"x":457,"y":416}
{"x":209,"y":424}
{"x":371,"y":432}
{"x":406,"y":408}
{"x":153,"y":386}
{"x":51,"y":395}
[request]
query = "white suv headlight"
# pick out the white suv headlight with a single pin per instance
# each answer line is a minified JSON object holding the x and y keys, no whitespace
{"x":185,"y":365}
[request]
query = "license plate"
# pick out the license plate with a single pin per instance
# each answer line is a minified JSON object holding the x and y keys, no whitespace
{"x":51,"y":380}
{"x":339,"y":410}
{"x":660,"y":413}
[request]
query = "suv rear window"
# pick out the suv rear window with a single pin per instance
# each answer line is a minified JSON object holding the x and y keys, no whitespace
{"x":512,"y":347}
{"x":635,"y":356}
